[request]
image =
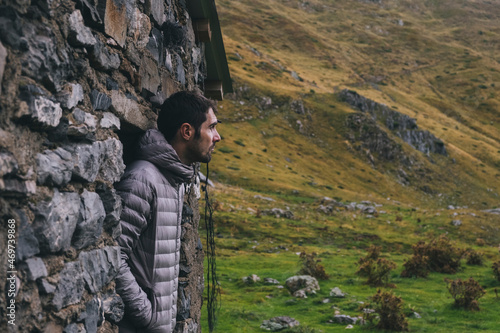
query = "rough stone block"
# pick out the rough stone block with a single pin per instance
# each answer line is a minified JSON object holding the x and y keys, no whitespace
{"x":110,"y":121}
{"x":116,"y":20}
{"x":45,"y":287}
{"x":188,"y":326}
{"x":45,"y":112}
{"x":113,"y":307}
{"x":82,"y":124}
{"x":70,"y":96}
{"x":87,"y":159}
{"x":180,"y":72}
{"x":112,"y":205}
{"x":92,"y":10}
{"x":42,"y":60}
{"x":168,"y":84}
{"x":99,"y":100}
{"x":35,"y":268}
{"x":155,"y":45}
{"x":17,"y":188}
{"x":112,"y":166}
{"x":100,"y":267}
{"x":157,"y":10}
{"x":8,"y":164}
{"x":102,"y":58}
{"x":128,"y":110}
{"x":82,"y":117}
{"x":183,"y":302}
{"x":112,"y":85}
{"x":70,"y":287}
{"x":27,"y":243}
{"x":55,"y":221}
{"x":168,"y":61}
{"x":187,"y":214}
{"x":139,"y":29}
{"x":93,"y":315}
{"x":79,"y":34}
{"x":150,"y":78}
{"x":54,"y":168}
{"x":197,"y":56}
{"x":90,"y":221}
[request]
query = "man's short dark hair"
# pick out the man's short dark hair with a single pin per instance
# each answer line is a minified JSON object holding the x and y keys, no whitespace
{"x":183,"y":107}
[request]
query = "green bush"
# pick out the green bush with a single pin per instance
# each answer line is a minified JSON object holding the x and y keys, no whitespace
{"x":438,"y":256}
{"x":376,"y":269}
{"x":311,"y":266}
{"x":416,"y":266}
{"x":474,"y":257}
{"x":385,"y":312}
{"x":465,"y":293}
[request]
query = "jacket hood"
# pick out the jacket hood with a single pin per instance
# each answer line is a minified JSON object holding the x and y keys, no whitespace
{"x":154,"y":148}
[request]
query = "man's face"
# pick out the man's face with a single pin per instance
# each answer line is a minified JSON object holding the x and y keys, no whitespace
{"x":201,"y":148}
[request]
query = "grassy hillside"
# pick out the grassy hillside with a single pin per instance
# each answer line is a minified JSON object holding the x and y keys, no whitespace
{"x":285,"y":138}
{"x":434,"y":62}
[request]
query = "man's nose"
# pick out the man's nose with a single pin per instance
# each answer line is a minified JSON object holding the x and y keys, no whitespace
{"x":217,"y":137}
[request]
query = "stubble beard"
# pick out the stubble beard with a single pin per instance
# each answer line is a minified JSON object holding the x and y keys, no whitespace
{"x":208,"y":156}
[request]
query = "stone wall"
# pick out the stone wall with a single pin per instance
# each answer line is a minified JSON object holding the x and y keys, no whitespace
{"x":79,"y":80}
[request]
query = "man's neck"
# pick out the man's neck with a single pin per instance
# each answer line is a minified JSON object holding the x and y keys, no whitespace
{"x":179,"y":148}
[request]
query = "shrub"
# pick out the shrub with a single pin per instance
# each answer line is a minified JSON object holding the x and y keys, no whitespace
{"x":474,"y":258}
{"x":496,"y":270}
{"x":465,"y":293}
{"x":416,"y":266}
{"x":443,"y":256}
{"x":438,"y":256}
{"x":311,"y":266}
{"x":480,"y":242}
{"x":385,"y":312}
{"x":376,"y":269}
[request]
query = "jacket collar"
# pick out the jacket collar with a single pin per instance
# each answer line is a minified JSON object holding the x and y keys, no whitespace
{"x":154,"y":148}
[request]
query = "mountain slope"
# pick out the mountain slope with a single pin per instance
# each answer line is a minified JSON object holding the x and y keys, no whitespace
{"x":389,"y":108}
{"x":285,"y":127}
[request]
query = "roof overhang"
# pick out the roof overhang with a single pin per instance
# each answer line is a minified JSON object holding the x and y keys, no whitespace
{"x":218,"y":79}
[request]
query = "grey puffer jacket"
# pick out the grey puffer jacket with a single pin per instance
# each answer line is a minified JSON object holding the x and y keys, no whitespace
{"x":152,"y":191}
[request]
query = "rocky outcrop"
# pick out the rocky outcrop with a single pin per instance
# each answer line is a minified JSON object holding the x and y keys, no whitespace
{"x":279,"y":323}
{"x":329,"y":206}
{"x":278,"y":212}
{"x":400,"y":124}
{"x":302,"y":285}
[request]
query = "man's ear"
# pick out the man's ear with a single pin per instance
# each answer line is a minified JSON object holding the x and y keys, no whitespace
{"x":186,"y":131}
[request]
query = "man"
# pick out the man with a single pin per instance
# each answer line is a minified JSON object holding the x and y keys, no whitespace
{"x":152,"y":190}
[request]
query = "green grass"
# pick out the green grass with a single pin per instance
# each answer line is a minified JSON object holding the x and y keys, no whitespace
{"x":268,"y":247}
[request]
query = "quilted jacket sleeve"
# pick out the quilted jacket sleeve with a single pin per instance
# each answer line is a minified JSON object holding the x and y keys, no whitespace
{"x":136,"y":198}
